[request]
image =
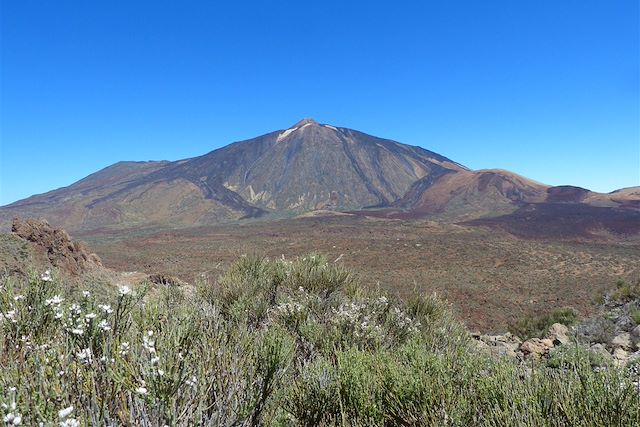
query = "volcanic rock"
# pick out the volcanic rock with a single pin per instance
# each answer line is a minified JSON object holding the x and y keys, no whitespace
{"x":71,"y":256}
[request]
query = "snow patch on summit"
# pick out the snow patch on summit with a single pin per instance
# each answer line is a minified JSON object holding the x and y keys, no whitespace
{"x":286,"y":133}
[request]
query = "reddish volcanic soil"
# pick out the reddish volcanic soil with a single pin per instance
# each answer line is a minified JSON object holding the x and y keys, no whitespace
{"x":490,"y":277}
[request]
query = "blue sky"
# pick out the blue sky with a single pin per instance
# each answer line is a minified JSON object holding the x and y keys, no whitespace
{"x":547,"y":89}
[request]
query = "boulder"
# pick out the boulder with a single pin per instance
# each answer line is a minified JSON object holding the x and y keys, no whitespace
{"x":622,"y":341}
{"x":559,"y":334}
{"x":621,"y":356}
{"x":624,"y":323}
{"x":535,"y":347}
{"x":498,"y":345}
{"x":547,"y":342}
{"x":601,"y":350}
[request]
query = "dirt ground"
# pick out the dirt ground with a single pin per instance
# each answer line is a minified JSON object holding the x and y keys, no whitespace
{"x":491,"y":278}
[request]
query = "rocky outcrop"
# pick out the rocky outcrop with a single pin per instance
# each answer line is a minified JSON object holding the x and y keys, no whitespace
{"x":559,"y":334}
{"x":70,"y":256}
{"x":613,"y":335}
{"x":498,"y":345}
{"x":536,"y":347}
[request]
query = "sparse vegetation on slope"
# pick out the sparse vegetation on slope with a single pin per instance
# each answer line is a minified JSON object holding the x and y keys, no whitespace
{"x":277,"y":343}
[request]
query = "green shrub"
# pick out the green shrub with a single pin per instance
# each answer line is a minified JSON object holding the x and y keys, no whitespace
{"x":279,"y":343}
{"x":572,"y":356}
{"x":538,"y":326}
{"x":626,"y":292}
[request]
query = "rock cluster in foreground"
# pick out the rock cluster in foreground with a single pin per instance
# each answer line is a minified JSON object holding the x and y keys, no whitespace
{"x":613,"y":336}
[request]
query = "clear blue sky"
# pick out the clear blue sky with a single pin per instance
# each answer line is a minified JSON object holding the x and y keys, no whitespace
{"x":547,"y":89}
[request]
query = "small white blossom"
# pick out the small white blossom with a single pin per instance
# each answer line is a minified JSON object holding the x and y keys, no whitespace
{"x":124,"y":290}
{"x":13,"y":419}
{"x":9,"y":315}
{"x":85,"y":355}
{"x":46,"y":276}
{"x":76,"y":308}
{"x":18,"y":297}
{"x":148,"y":345}
{"x":86,"y":294}
{"x":56,"y":300}
{"x":70,"y":422}
{"x":104,"y":325}
{"x":77,"y":331}
{"x":141,"y":390}
{"x":106,"y":308}
{"x":90,"y":316}
{"x":124,"y":348}
{"x":64,"y":413}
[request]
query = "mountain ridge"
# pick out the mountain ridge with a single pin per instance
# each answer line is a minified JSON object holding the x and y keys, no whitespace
{"x":307,"y":167}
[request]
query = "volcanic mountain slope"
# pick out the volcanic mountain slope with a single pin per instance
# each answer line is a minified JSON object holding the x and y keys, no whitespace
{"x":308,"y":166}
{"x":120,"y":195}
{"x":501,"y":199}
{"x":471,"y":194}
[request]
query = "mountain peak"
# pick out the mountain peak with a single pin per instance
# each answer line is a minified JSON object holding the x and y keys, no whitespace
{"x":305,"y":121}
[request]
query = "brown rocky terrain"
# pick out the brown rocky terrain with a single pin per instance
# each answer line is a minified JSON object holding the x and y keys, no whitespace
{"x":491,"y":277}
{"x":34,"y":246}
{"x":72,"y":257}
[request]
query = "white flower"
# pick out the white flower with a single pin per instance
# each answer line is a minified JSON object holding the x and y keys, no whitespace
{"x":192,"y":382}
{"x":18,"y":297}
{"x":86,"y":294}
{"x":56,"y":300}
{"x":155,"y":360}
{"x":106,"y":308}
{"x":124,"y":290}
{"x":64,"y":413}
{"x":9,"y":315}
{"x":76,"y":308}
{"x":90,"y":316}
{"x":58,"y":315}
{"x":85,"y":355}
{"x":148,"y":345}
{"x":77,"y":331}
{"x":104,"y":325}
{"x":160,"y":372}
{"x":46,"y":276}
{"x":142,"y":390}
{"x":124,"y":348}
{"x":12,"y":419}
{"x":71,"y":422}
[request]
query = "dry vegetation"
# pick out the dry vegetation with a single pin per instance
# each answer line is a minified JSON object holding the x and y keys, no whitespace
{"x":492,"y":278}
{"x":277,"y":343}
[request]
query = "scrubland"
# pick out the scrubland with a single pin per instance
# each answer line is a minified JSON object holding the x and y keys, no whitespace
{"x":277,"y":342}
